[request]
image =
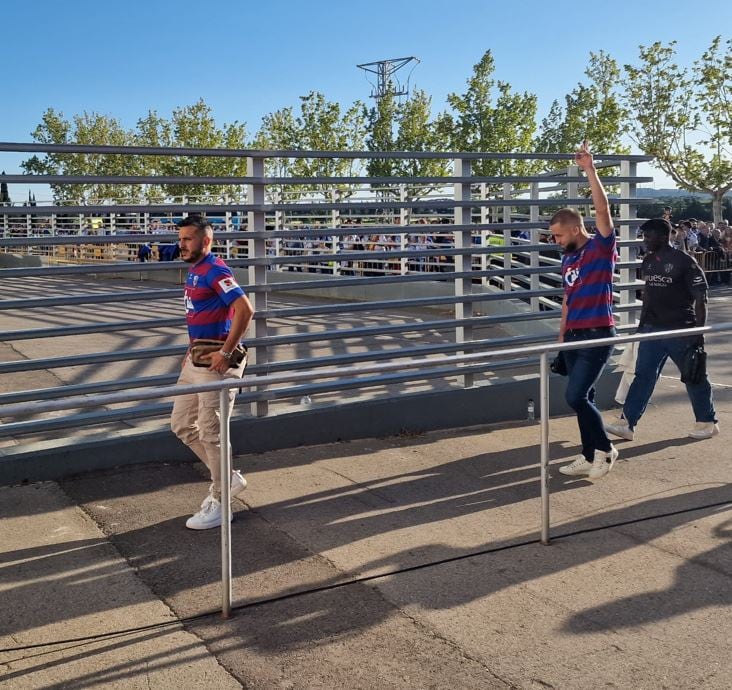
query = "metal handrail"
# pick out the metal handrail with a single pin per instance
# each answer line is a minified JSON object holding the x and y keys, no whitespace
{"x":262,"y":153}
{"x":304,"y":206}
{"x":316,"y":180}
{"x":224,"y":386}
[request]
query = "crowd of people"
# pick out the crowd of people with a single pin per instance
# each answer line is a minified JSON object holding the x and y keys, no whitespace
{"x":710,"y":245}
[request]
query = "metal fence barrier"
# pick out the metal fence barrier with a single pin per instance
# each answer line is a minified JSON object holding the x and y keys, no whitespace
{"x":463,"y":362}
{"x":485,"y":251}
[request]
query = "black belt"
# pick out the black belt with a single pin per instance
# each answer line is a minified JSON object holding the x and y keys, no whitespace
{"x":599,"y":329}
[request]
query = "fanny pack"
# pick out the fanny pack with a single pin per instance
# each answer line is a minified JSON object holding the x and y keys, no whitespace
{"x":201,"y":348}
{"x":559,"y":365}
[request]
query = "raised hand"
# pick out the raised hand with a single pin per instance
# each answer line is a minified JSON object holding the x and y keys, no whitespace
{"x":583,"y":157}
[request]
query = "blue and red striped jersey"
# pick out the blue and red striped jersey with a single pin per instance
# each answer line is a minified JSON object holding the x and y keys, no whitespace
{"x":209,"y":292}
{"x":587,"y":275}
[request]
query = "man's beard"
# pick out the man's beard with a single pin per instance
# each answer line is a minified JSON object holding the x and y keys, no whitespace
{"x":193,"y":257}
{"x":570,"y":247}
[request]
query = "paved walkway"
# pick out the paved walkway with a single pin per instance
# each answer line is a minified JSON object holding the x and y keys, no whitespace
{"x":643,"y":602}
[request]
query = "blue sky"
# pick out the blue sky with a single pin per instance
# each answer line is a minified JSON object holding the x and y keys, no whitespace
{"x":247,"y":59}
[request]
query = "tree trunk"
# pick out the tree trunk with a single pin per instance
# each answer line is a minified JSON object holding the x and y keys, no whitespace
{"x":717,"y":198}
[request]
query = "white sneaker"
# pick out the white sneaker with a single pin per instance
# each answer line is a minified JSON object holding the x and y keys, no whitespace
{"x":620,"y":428}
{"x":603,"y":463}
{"x":579,"y":468}
{"x":703,"y":430}
{"x":208,"y":517}
{"x":238,"y":483}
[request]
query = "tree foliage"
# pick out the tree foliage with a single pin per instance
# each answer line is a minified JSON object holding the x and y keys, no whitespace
{"x":193,"y":126}
{"x":86,"y":128}
{"x":683,"y":117}
{"x":407,"y":126}
{"x":190,"y":126}
{"x":490,"y":116}
{"x":321,"y":125}
{"x":591,"y":111}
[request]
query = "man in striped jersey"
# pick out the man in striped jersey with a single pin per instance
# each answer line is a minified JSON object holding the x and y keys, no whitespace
{"x":216,"y":309}
{"x":587,"y":272}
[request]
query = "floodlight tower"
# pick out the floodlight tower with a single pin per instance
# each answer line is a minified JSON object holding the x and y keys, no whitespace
{"x":386,"y":83}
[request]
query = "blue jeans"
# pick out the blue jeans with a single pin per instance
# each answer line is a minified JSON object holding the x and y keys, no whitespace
{"x":584,"y":367}
{"x":652,"y":355}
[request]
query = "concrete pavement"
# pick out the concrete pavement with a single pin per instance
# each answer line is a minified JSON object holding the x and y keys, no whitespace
{"x":643,"y":602}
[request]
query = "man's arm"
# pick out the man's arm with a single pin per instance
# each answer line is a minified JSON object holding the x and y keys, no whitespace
{"x":603,"y":219}
{"x":700,"y":309}
{"x":243,"y":313}
{"x":563,"y":322}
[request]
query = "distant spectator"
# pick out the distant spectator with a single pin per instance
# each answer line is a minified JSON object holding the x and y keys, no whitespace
{"x":144,"y":253}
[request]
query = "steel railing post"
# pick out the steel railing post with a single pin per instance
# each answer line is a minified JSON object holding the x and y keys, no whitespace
{"x":627,"y":212}
{"x":506,"y":218}
{"x":544,"y":415}
{"x":463,"y":262}
{"x":257,"y":273}
{"x":534,"y":235}
{"x":225,"y":458}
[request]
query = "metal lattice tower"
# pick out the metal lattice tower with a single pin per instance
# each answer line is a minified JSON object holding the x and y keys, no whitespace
{"x":385,"y":81}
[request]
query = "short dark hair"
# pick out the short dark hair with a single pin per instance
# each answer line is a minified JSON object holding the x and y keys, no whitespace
{"x":194,"y":221}
{"x":567,"y":216}
{"x":659,"y":225}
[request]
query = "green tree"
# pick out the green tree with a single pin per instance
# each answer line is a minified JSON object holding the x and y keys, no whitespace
{"x":406,"y":126}
{"x":86,"y":128}
{"x":381,"y":123}
{"x":321,"y":125}
{"x":489,"y":116}
{"x":683,"y":117}
{"x":591,"y":111}
{"x":194,"y":126}
{"x":278,"y":133}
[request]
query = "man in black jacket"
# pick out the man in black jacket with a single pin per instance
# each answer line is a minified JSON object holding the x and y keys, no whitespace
{"x":674,"y":297}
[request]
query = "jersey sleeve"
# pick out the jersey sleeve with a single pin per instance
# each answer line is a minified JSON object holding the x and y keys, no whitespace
{"x":222,"y":281}
{"x":695,"y":279}
{"x":607,"y":246}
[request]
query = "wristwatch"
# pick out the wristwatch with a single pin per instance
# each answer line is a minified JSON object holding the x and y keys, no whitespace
{"x":225,"y":354}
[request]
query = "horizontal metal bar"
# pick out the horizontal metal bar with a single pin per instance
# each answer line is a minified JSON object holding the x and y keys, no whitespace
{"x":111,"y":327}
{"x":263,"y":153}
{"x":341,"y":231}
{"x":268,"y":394}
{"x":405,"y":303}
{"x":272,"y":341}
{"x":92,"y":358}
{"x":84,"y":419}
{"x":285,"y":365}
{"x":66,"y":390}
{"x":303,"y":181}
{"x":346,"y":281}
{"x":93,"y":268}
{"x":447,"y":250}
{"x":376,"y":206}
{"x":70,"y":421}
{"x":258,"y":382}
{"x":412,"y":327}
{"x":91,"y":298}
{"x":117,"y":238}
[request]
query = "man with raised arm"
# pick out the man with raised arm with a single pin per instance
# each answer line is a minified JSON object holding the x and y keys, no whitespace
{"x":587,"y":275}
{"x":216,"y":309}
